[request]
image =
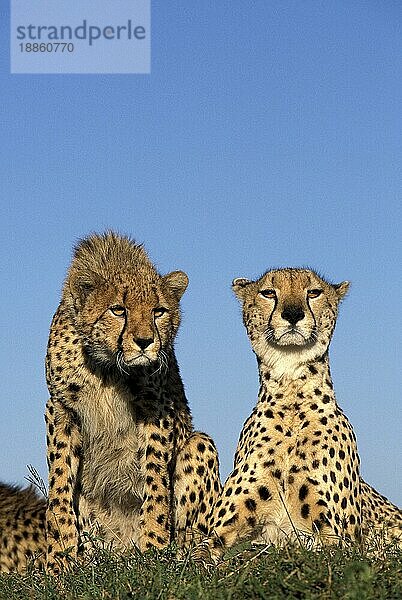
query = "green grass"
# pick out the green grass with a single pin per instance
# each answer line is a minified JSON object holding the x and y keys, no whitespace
{"x":248,"y":573}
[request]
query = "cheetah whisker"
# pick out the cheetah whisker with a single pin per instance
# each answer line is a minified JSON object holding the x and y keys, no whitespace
{"x":164,"y":360}
{"x":163,"y":363}
{"x":121,"y":364}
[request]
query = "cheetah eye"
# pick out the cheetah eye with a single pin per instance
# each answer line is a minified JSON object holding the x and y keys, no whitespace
{"x":314,"y":293}
{"x":268,"y":293}
{"x":117,"y":310}
{"x":158,"y":312}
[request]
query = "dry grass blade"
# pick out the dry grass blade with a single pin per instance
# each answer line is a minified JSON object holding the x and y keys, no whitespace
{"x":36,"y":480}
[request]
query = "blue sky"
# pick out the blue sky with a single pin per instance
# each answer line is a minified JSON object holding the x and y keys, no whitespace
{"x":268,"y":134}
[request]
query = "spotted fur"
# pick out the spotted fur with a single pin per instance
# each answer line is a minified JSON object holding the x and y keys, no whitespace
{"x":22,"y":528}
{"x":119,"y":430}
{"x":296,"y":470}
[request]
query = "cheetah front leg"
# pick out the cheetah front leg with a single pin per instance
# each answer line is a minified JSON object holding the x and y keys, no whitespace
{"x":196,"y":488}
{"x":64,"y":450}
{"x":237,"y":515}
{"x":155,"y":514}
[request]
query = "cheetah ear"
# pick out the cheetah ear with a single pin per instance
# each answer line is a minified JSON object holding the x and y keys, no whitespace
{"x":177,"y":282}
{"x":240,"y":285}
{"x":341,"y":289}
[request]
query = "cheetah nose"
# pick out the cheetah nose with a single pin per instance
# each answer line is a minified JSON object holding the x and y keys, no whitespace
{"x":143,"y":343}
{"x":292,"y":314}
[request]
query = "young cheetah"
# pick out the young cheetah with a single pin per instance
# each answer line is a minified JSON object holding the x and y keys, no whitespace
{"x":296,"y":469}
{"x":123,"y":458}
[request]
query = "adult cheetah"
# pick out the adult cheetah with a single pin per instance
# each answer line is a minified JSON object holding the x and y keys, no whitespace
{"x":296,"y":468}
{"x":123,"y":458}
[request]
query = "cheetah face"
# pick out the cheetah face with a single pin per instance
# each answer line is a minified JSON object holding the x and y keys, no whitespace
{"x":289,"y":313}
{"x":129,"y":322}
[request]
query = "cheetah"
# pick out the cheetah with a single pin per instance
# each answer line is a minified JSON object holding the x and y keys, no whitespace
{"x":22,"y":528}
{"x":296,"y":469}
{"x":381,"y":519}
{"x":124,"y":460}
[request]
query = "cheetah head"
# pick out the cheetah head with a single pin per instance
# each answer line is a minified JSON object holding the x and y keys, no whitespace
{"x":289,"y":315}
{"x":126,"y":314}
